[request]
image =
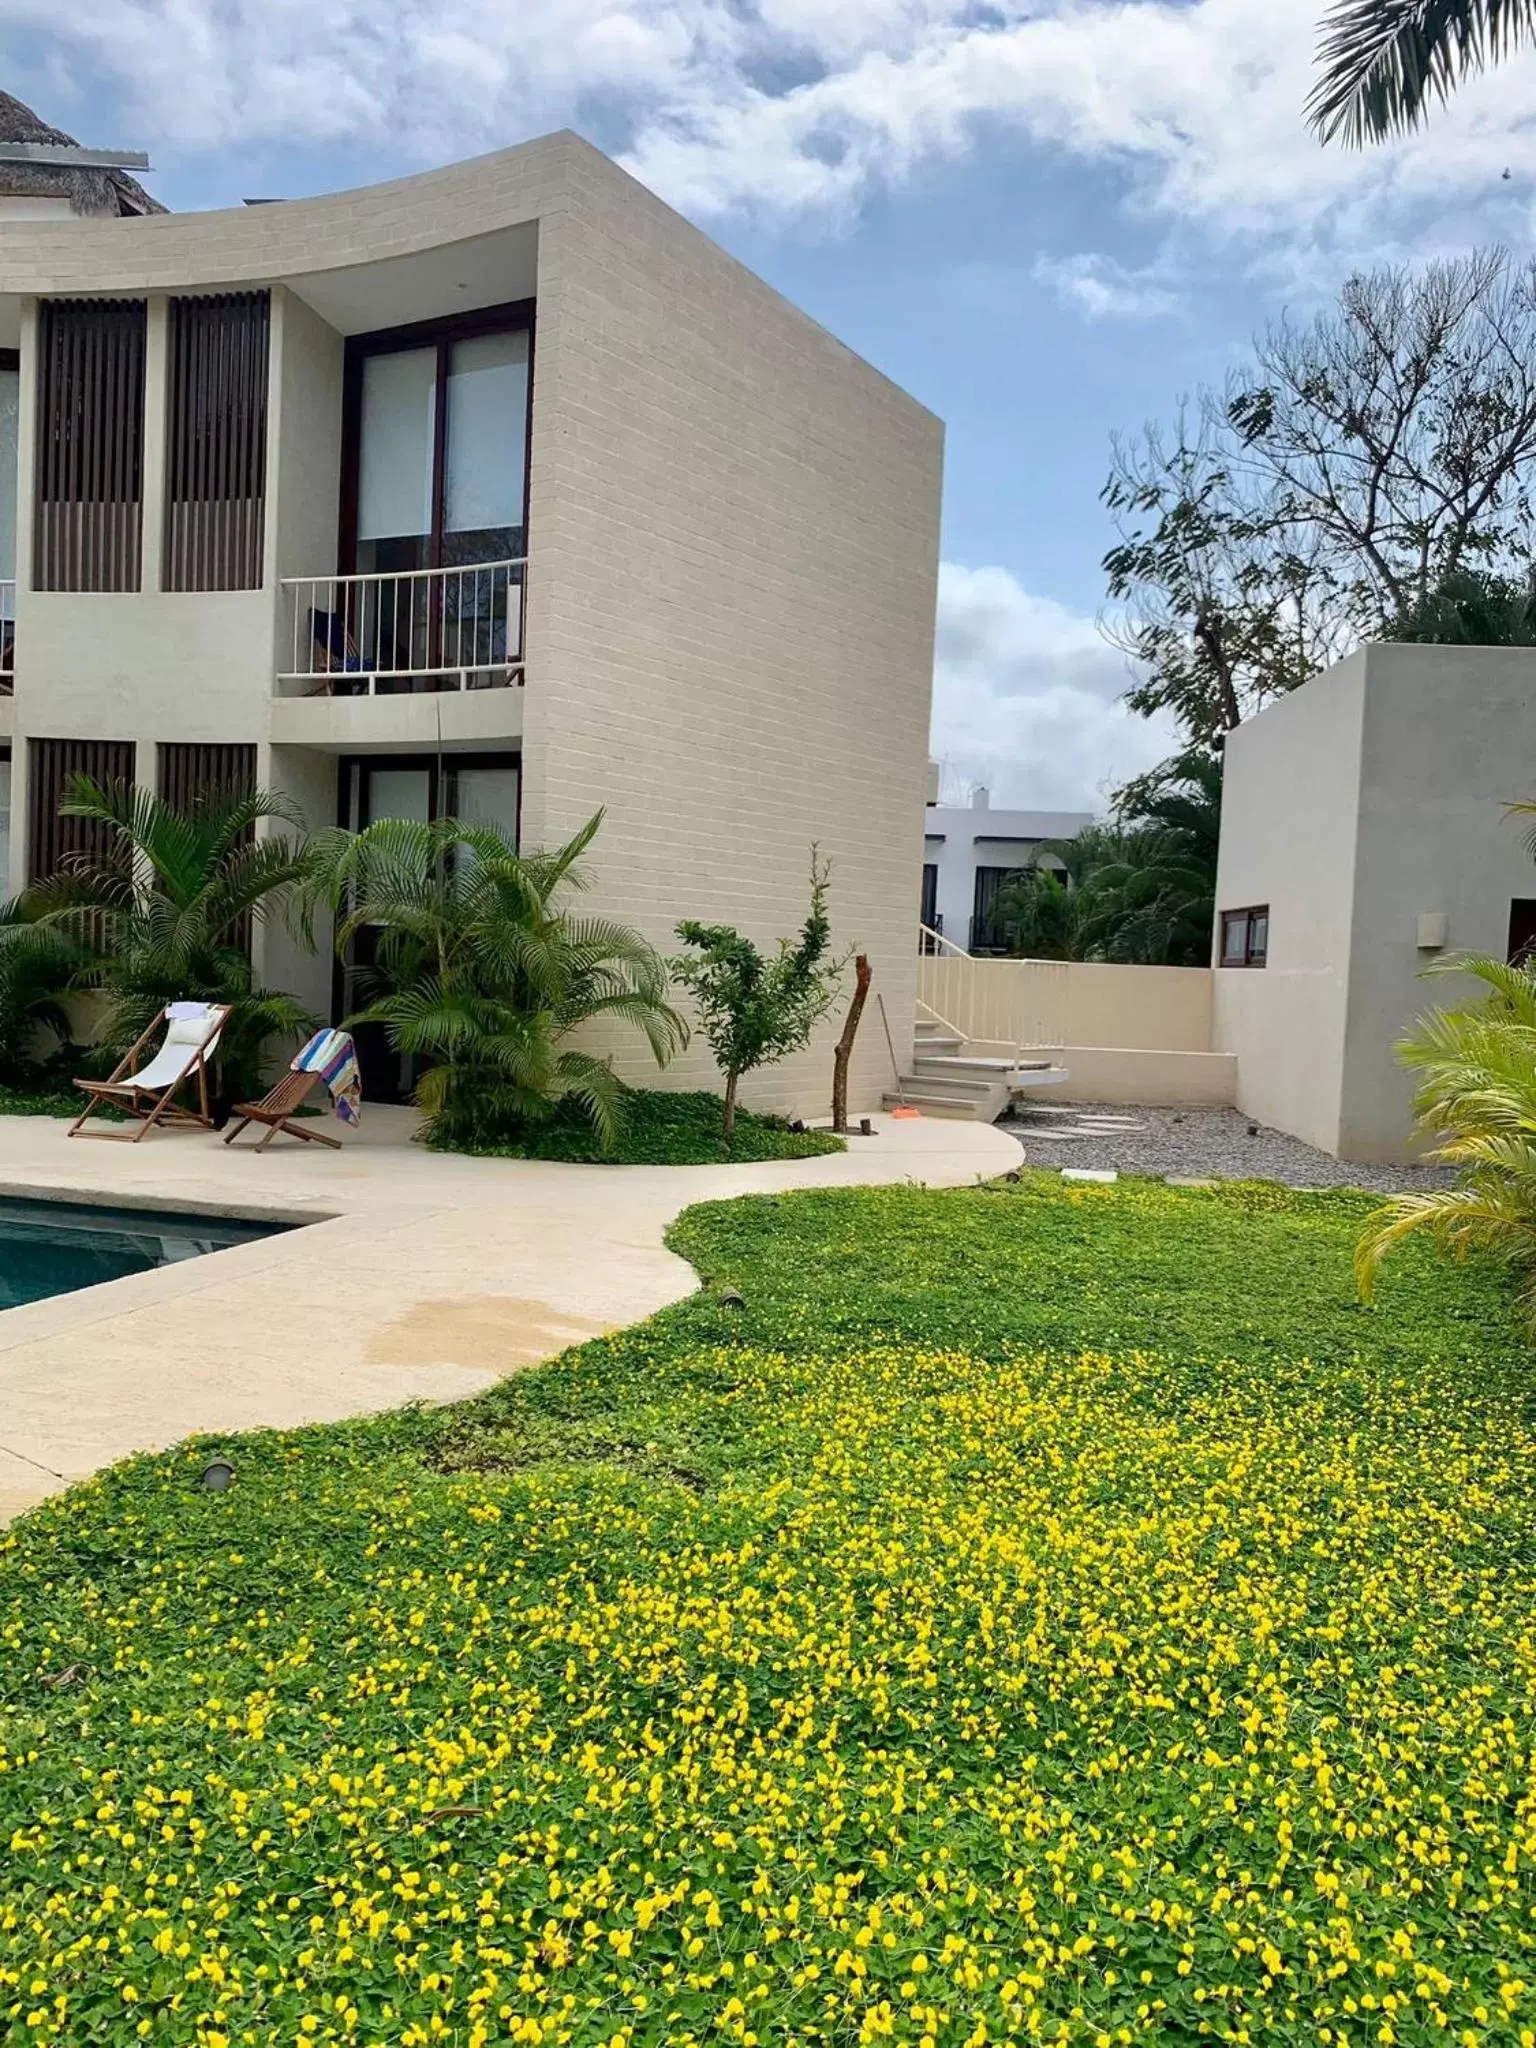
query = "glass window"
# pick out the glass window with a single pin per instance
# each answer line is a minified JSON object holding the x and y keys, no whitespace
{"x":399,"y":793}
{"x":395,"y":460}
{"x":1245,"y":937}
{"x":5,"y":827}
{"x":487,"y":446}
{"x":487,"y":796}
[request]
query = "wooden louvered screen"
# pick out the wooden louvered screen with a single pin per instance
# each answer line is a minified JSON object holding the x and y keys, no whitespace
{"x":90,"y":444}
{"x":51,"y":765}
{"x":190,"y":774}
{"x":216,"y":448}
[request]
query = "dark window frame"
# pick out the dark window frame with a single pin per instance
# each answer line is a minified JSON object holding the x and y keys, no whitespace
{"x":513,"y":316}
{"x":1253,"y":956}
{"x":440,"y":769}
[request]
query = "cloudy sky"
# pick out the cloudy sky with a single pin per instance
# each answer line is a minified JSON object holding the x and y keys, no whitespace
{"x":1046,"y":220}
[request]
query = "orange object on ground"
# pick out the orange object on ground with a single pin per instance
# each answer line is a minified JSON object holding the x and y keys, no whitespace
{"x":906,"y":1109}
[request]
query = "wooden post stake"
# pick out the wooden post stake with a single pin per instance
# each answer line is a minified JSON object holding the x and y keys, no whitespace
{"x":844,"y":1051}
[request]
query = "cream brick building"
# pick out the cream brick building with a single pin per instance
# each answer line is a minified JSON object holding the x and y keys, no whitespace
{"x":499,"y":489}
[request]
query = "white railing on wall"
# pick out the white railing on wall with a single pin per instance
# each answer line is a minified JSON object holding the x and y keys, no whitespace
{"x":1013,"y":1003}
{"x":7,"y":636}
{"x":408,"y":629}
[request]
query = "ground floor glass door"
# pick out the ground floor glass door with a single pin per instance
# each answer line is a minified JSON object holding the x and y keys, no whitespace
{"x":481,"y":788}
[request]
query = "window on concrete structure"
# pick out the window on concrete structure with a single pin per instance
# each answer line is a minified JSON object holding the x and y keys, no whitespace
{"x":1522,"y":931}
{"x":51,"y":766}
{"x":90,"y":444}
{"x":986,"y":934}
{"x":10,"y":396}
{"x":1245,"y":937}
{"x":216,"y":442}
{"x":481,"y":788}
{"x":434,"y":497}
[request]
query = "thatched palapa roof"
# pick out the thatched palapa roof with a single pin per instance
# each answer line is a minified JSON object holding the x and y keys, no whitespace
{"x":87,"y":189}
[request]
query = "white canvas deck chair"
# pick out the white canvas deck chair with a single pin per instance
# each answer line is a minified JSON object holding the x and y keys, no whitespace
{"x":149,"y":1092}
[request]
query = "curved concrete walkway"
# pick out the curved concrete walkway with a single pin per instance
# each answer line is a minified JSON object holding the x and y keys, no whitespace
{"x":423,"y":1277}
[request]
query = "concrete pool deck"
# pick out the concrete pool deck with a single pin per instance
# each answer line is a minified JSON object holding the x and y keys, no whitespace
{"x":424,"y":1276}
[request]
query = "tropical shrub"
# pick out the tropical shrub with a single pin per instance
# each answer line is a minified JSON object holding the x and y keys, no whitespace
{"x":1139,"y":890}
{"x":1471,"y":608}
{"x":754,"y":1011}
{"x":39,"y":966}
{"x":1477,"y":1097}
{"x":481,"y":974}
{"x":166,"y":913}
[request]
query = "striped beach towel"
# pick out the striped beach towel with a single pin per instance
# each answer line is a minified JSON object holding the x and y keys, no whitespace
{"x":333,"y":1056}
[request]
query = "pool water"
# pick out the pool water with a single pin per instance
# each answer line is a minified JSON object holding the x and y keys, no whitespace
{"x":55,"y":1247}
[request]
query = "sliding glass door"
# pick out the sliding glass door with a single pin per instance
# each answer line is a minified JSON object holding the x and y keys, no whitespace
{"x":480,"y":788}
{"x":439,"y":494}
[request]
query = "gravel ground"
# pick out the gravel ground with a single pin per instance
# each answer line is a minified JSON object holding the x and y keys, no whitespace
{"x":1217,"y":1143}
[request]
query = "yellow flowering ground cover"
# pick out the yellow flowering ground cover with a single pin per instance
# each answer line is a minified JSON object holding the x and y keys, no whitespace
{"x":1036,"y":1615}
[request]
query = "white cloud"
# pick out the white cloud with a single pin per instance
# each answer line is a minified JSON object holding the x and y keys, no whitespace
{"x":788,"y":105}
{"x":1026,"y":697}
{"x":1103,"y":289}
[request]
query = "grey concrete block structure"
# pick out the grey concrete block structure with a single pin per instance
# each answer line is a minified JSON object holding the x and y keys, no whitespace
{"x":1364,"y":816}
{"x":561,"y":509}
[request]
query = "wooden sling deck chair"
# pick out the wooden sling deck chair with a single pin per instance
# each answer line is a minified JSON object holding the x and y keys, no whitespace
{"x":276,"y":1108}
{"x":149,"y":1093}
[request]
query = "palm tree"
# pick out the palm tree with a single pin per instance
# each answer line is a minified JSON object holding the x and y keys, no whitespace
{"x":1477,"y":1093}
{"x":167,"y":909}
{"x":1150,"y":899}
{"x":39,"y":966}
{"x":477,"y":972}
{"x":1383,"y":61}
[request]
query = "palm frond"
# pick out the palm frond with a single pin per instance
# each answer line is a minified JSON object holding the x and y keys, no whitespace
{"x":1383,"y":63}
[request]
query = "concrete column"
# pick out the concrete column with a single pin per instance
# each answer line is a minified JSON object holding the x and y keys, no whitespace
{"x":156,"y":364}
{"x":26,"y":700}
{"x":26,"y":453}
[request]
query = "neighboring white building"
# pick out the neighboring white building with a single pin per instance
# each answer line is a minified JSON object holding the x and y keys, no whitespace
{"x":967,"y":853}
{"x":499,"y":490}
{"x":1363,"y":837}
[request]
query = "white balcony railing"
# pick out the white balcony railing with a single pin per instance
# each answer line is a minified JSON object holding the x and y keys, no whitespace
{"x":7,"y":636}
{"x":402,"y":630}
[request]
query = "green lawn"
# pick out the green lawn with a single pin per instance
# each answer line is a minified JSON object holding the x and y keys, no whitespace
{"x":1035,"y":1614}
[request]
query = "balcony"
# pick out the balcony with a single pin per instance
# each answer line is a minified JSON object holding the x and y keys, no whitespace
{"x":405,"y":632}
{"x":402,"y":660}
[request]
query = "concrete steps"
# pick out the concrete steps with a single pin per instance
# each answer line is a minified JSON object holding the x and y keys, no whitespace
{"x":944,"y":1079}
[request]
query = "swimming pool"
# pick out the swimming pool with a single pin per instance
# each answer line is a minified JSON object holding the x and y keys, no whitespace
{"x":55,"y":1247}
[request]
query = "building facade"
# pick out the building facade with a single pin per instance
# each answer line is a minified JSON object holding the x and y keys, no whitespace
{"x":499,"y":491}
{"x":1364,"y":837}
{"x":970,"y":850}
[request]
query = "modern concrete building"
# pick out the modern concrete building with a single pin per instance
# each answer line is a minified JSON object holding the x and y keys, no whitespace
{"x":1364,"y":836}
{"x":968,"y":852}
{"x":499,"y":490}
